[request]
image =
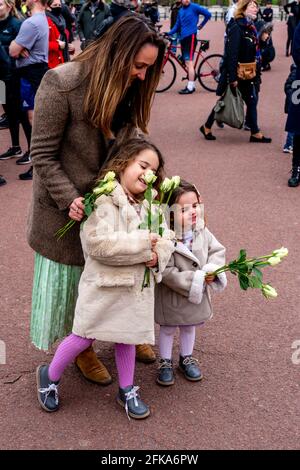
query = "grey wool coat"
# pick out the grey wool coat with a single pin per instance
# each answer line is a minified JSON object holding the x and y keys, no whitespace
{"x":67,"y":153}
{"x":183,"y":297}
{"x":111,"y":305}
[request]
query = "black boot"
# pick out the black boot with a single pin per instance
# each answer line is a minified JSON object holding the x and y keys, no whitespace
{"x":130,"y":400}
{"x":165,"y":372}
{"x":295,"y":178}
{"x":189,"y":367}
{"x":47,"y":391}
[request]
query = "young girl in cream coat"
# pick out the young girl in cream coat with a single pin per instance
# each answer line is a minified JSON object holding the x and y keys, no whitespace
{"x":111,"y":305}
{"x":183,"y":299}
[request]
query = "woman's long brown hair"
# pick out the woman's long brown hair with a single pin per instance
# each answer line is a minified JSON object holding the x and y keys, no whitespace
{"x":109,"y":62}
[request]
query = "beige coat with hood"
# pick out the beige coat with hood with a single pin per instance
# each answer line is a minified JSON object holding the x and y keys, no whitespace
{"x":111,"y":305}
{"x":183,"y":297}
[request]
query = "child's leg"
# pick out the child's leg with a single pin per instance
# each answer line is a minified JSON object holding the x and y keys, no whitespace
{"x":166,"y":338}
{"x":187,"y":363}
{"x":125,"y":362}
{"x":187,"y":340}
{"x":165,"y":374}
{"x":128,"y":396}
{"x":66,"y":352}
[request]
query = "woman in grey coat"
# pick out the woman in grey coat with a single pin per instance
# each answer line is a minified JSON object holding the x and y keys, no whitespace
{"x":183,"y":298}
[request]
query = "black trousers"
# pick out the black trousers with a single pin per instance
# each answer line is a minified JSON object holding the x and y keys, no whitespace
{"x":289,"y":43}
{"x":296,"y":150}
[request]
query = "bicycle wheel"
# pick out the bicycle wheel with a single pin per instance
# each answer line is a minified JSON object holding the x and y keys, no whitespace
{"x":168,"y":76}
{"x":209,"y":71}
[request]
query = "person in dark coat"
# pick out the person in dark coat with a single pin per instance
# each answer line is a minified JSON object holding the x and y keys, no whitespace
{"x":266,"y":46}
{"x":118,"y":8}
{"x":288,"y":90}
{"x":90,"y":18}
{"x":267,"y":14}
{"x":293,"y":10}
{"x":242,"y":46}
{"x":10,"y":24}
{"x":293,"y":120}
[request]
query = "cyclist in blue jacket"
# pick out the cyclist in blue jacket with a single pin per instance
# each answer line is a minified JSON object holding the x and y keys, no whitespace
{"x":186,"y":26}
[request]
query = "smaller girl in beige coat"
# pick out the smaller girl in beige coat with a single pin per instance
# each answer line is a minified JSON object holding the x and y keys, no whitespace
{"x":183,"y":298}
{"x":111,"y":305}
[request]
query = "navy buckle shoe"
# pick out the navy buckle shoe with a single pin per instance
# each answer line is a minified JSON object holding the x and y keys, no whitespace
{"x":165,"y":372}
{"x":188,"y":365}
{"x":130,"y":400}
{"x":47,"y":391}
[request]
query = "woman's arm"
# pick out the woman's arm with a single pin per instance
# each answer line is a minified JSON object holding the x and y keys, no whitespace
{"x":51,"y":115}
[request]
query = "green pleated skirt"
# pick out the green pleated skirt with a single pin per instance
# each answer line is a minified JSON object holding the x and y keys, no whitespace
{"x":54,"y":295}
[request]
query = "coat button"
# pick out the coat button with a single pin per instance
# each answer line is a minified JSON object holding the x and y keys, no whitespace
{"x":195,"y":264}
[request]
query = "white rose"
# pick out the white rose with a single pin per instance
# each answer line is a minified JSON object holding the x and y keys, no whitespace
{"x":274,"y":260}
{"x":149,"y":177}
{"x":110,"y":176}
{"x":166,"y":185}
{"x":176,"y":181}
{"x":282,"y":252}
{"x":268,"y":291}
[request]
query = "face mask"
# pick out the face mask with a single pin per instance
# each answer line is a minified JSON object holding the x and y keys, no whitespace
{"x":251,"y":16}
{"x":56,"y":11}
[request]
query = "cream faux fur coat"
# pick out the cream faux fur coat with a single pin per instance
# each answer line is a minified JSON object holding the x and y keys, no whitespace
{"x":111,"y":305}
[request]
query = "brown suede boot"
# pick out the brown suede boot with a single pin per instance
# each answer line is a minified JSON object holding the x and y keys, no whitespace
{"x":144,"y":353}
{"x":91,"y":368}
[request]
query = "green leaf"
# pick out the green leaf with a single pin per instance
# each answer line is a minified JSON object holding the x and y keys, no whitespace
{"x":88,"y":209}
{"x":243,"y":256}
{"x":258,"y":273}
{"x":244,"y":281}
{"x":255,"y":282}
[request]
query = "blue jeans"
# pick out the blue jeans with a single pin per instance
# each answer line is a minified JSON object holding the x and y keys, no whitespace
{"x":289,"y":139}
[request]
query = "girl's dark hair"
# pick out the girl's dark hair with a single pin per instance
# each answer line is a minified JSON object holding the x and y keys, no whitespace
{"x":123,"y":152}
{"x":184,"y":187}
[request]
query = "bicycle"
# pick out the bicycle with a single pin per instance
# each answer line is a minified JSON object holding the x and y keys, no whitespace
{"x":207,"y":73}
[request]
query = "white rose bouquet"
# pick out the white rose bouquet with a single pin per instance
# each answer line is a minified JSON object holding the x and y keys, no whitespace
{"x":249,"y":272}
{"x":154,"y":219}
{"x":104,"y":186}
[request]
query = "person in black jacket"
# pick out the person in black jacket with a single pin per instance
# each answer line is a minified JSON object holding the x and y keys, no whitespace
{"x":9,"y":27}
{"x":241,"y":47}
{"x":118,"y":8}
{"x":288,"y":89}
{"x":293,"y":10}
{"x":266,"y":47}
{"x":90,"y":18}
{"x":293,"y":120}
{"x":267,"y":14}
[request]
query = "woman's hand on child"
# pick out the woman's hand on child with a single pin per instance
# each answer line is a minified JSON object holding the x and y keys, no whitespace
{"x":153,"y":262}
{"x":76,"y":211}
{"x":209,"y":278}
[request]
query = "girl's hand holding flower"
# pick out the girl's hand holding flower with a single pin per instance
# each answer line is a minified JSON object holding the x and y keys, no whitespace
{"x":153,"y":262}
{"x":153,"y":239}
{"x":210,"y":278}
